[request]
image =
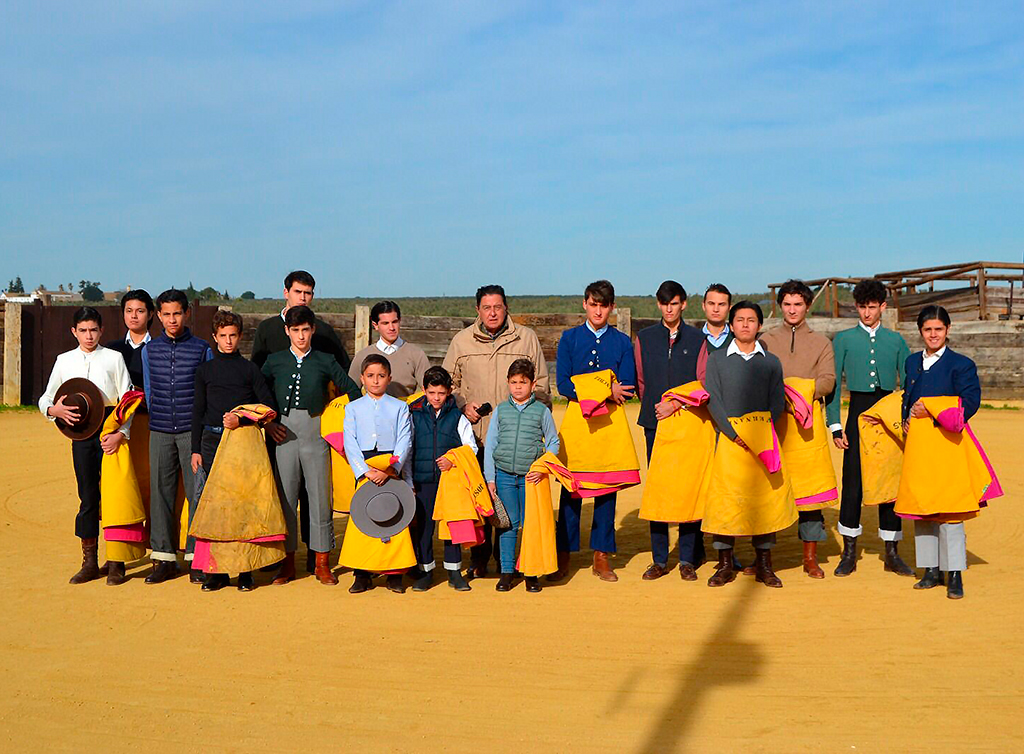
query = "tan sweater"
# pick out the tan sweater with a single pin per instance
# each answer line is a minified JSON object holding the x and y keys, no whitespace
{"x":803,"y":353}
{"x":408,"y":364}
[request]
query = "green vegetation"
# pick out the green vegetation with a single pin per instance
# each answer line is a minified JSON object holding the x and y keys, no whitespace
{"x":18,"y":409}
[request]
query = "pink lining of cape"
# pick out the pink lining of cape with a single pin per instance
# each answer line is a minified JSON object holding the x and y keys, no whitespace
{"x":201,"y":560}
{"x":694,"y":398}
{"x":466,"y":533}
{"x":802,"y":410}
{"x":821,"y":497}
{"x":613,"y":481}
{"x":129,"y":533}
{"x":337,"y":442}
{"x":593,"y":408}
{"x":772,"y":459}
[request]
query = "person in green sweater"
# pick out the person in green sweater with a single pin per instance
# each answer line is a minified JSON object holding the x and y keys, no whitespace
{"x":872,"y":358}
{"x":300,"y":378}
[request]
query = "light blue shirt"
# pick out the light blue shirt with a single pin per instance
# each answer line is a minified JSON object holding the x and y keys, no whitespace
{"x":600,"y":332}
{"x":377,"y":424}
{"x":716,"y":340}
{"x":547,"y":424}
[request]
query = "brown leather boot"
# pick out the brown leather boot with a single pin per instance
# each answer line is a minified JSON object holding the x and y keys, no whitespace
{"x":563,"y":568}
{"x":602,"y":569}
{"x":724,"y":572}
{"x":287,"y":572}
{"x":90,"y":570}
{"x":116,"y":574}
{"x":763,"y":569}
{"x":811,"y":567}
{"x":322,"y":570}
{"x":654,"y":571}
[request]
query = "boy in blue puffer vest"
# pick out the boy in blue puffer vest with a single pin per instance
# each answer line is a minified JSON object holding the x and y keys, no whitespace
{"x":521,"y":431}
{"x":437,"y":427}
{"x":169,"y":364}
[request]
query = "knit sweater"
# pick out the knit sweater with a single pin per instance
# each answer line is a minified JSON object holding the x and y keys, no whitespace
{"x":224,"y":382}
{"x":803,"y":353}
{"x":408,"y":364}
{"x":738,"y":386}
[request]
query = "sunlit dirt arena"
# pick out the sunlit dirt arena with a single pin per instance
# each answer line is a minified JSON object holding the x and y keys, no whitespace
{"x":863,"y":663}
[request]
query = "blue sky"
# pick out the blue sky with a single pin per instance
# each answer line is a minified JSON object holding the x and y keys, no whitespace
{"x":426,"y":148}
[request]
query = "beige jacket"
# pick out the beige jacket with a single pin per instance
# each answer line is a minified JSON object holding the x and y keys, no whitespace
{"x":479,"y":366}
{"x":803,"y":353}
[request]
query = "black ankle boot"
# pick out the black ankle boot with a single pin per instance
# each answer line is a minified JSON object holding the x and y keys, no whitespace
{"x":893,"y":561}
{"x":848,"y":560}
{"x":532,"y":584}
{"x":362,"y":583}
{"x":394,"y":583}
{"x":245,"y":582}
{"x":164,"y":570}
{"x":458,"y":582}
{"x":504,"y":583}
{"x":932,"y":578}
{"x":955,"y":585}
{"x":215,"y":582}
{"x":423,"y":581}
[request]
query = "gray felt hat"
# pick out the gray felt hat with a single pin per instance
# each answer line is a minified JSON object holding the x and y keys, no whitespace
{"x":383,"y":512}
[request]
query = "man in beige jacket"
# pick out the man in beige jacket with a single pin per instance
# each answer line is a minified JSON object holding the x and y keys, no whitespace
{"x":478,"y":359}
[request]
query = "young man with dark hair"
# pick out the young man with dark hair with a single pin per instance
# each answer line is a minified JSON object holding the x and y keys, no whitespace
{"x":106,"y":370}
{"x":169,"y":363}
{"x":437,"y":427}
{"x":591,"y":442}
{"x":717,"y":335}
{"x":806,"y":355}
{"x":666,"y":357}
{"x":299,"y":379}
{"x":478,"y":359}
{"x":138,"y":310}
{"x":408,"y":362}
{"x":749,"y":493}
{"x":873,"y":359}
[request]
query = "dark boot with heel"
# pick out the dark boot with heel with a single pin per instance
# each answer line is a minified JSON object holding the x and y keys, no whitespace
{"x":931,"y":579}
{"x":90,"y":570}
{"x":848,"y":560}
{"x":893,"y":562}
{"x":955,"y":585}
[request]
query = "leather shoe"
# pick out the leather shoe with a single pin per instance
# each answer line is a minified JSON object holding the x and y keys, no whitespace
{"x":811,"y":567}
{"x":196,"y":577}
{"x":687,"y":572}
{"x":115,"y":574}
{"x":394,"y":583}
{"x":362,"y":583}
{"x":164,"y":570}
{"x":216,"y":582}
{"x":322,"y":570}
{"x":563,"y":568}
{"x":893,"y":562}
{"x":955,"y":585}
{"x":246,"y":582}
{"x":423,"y":580}
{"x":848,"y":560}
{"x":763,"y":569}
{"x":932,"y":578}
{"x":724,"y":572}
{"x":504,"y":583}
{"x":90,"y":570}
{"x":602,"y":568}
{"x":287,"y":572}
{"x":457,"y":582}
{"x":476,"y":571}
{"x":532,"y":584}
{"x":654,"y":571}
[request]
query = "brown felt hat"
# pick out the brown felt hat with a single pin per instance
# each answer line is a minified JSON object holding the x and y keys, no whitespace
{"x":87,"y":398}
{"x":385,"y":511}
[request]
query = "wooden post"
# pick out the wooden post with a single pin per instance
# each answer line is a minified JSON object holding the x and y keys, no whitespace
{"x":12,"y":354}
{"x":362,"y":327}
{"x":624,"y":322}
{"x":835,"y":298}
{"x":771,"y":289}
{"x":982,"y":295}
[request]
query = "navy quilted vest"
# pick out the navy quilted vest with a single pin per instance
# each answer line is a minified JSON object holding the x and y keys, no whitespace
{"x":172,"y":380}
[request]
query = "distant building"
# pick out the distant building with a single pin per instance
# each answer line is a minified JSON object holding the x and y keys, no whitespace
{"x":41,"y":294}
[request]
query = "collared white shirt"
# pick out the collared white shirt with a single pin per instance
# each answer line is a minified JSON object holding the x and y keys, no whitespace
{"x":465,"y":431}
{"x":103,"y":367}
{"x":299,"y":356}
{"x":283,"y":312}
{"x":597,"y":333}
{"x":734,"y":347}
{"x":389,"y":348}
{"x":929,"y":361}
{"x":716,"y":340}
{"x":133,"y":344}
{"x":872,"y":331}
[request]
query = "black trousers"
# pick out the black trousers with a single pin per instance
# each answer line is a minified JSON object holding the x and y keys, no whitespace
{"x":691,"y":538}
{"x":208,"y":448}
{"x":480,"y":554}
{"x":422,"y":529}
{"x":850,"y":503}
{"x":86,"y":456}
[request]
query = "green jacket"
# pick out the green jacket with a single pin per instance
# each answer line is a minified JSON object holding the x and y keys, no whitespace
{"x":868,"y":361}
{"x":304,"y":386}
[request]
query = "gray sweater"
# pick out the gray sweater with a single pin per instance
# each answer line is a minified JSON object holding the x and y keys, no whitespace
{"x":738,"y":386}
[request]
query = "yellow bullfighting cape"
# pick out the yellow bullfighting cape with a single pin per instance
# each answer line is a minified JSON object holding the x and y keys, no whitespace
{"x":462,"y":499}
{"x":806,"y":446}
{"x":684,"y":446}
{"x":946,"y":475}
{"x":538,"y":554}
{"x":123,"y":498}
{"x":365,"y":553}
{"x":596,"y":441}
{"x":332,"y":429}
{"x":750,"y":492}
{"x":881,"y":449}
{"x":239,"y":525}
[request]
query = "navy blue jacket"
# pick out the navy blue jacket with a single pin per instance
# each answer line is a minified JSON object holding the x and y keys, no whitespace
{"x":581,"y":352}
{"x":169,"y":377}
{"x":433,"y":435}
{"x":952,"y":374}
{"x":663,"y":367}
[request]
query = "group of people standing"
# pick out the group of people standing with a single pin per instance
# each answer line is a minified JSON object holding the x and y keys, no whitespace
{"x":196,"y":448}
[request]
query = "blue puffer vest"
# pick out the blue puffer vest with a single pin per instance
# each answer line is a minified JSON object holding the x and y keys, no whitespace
{"x":172,"y":380}
{"x":433,"y":436}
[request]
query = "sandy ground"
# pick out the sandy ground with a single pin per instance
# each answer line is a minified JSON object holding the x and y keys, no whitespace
{"x":857,"y":664}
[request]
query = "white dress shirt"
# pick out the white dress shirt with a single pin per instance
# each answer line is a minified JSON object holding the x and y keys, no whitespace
{"x":103,"y":367}
{"x":872,"y":331}
{"x":734,"y":347}
{"x":929,"y":361}
{"x":389,"y":348}
{"x":145,"y":339}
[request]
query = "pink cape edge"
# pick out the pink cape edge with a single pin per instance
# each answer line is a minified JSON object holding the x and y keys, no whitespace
{"x":132,"y":533}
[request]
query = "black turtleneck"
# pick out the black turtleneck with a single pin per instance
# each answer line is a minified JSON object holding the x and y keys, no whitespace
{"x":224,"y":382}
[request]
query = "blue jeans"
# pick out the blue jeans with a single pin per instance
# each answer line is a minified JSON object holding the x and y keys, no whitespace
{"x":512,"y":492}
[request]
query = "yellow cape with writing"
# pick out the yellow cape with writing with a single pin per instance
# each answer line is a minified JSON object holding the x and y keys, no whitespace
{"x":946,"y":475}
{"x":240,"y":503}
{"x":750,"y":492}
{"x":461,"y":492}
{"x":596,"y":441}
{"x":365,"y":553}
{"x":538,"y":554}
{"x":881,"y":449}
{"x":684,"y":446}
{"x":332,"y":429}
{"x":124,"y":497}
{"x":806,"y":444}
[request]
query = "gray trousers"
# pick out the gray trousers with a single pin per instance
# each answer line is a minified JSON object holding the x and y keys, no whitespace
{"x":942,"y":546}
{"x":812,"y":526}
{"x":305,"y":455}
{"x":760,"y":541}
{"x":169,"y":455}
